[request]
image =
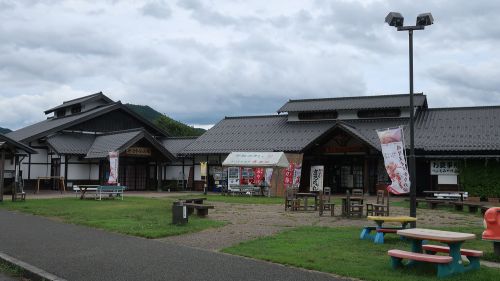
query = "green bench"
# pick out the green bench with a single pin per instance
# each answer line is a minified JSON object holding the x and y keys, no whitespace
{"x":111,"y":190}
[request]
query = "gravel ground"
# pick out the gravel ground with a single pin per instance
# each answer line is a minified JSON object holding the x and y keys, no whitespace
{"x":247,"y":221}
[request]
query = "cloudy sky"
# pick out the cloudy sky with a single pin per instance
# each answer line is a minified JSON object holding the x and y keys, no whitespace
{"x":198,"y":61}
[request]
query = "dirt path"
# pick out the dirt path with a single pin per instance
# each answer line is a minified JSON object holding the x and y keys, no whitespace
{"x":248,"y":221}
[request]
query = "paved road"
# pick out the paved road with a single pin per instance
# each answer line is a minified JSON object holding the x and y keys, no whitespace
{"x":80,"y":253}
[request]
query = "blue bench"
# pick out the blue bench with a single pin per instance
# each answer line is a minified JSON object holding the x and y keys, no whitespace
{"x":110,"y":190}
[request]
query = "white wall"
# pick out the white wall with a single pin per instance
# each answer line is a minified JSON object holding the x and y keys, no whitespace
{"x":81,"y":169}
{"x":175,"y":172}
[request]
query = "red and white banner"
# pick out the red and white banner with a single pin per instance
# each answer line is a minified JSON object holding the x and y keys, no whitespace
{"x":288,"y":178}
{"x":113,"y":168}
{"x":296,"y":174}
{"x":393,"y":150}
{"x":259,"y":175}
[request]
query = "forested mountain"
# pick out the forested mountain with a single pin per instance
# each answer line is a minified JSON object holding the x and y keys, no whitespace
{"x":5,"y":130}
{"x":173,"y":127}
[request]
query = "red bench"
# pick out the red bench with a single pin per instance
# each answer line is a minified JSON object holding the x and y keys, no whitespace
{"x":388,"y":230}
{"x":432,"y":249}
{"x":400,"y":254}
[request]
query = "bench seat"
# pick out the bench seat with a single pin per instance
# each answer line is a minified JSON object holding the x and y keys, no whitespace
{"x":445,"y":249}
{"x":201,"y":209}
{"x":400,"y":254}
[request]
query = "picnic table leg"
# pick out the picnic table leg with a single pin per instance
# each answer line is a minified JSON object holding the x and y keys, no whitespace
{"x":379,"y":236}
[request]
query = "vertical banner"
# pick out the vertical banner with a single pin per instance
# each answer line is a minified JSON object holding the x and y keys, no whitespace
{"x":269,"y":176}
{"x":113,"y":167}
{"x":296,"y":174}
{"x":391,"y":141}
{"x":203,"y":169}
{"x":317,"y":178}
{"x":288,"y":175}
{"x":259,"y":175}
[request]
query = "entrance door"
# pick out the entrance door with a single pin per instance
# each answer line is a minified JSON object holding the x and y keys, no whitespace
{"x":55,"y":171}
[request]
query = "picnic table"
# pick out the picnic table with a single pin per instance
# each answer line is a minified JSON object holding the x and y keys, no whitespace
{"x":447,"y":265}
{"x":196,"y":203}
{"x":381,"y":229}
{"x":83,"y":188}
{"x":305,"y":195}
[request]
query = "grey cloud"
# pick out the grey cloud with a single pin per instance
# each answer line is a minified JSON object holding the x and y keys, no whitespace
{"x":158,"y":9}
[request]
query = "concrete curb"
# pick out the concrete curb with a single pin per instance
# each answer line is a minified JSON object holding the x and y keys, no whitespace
{"x":32,"y":272}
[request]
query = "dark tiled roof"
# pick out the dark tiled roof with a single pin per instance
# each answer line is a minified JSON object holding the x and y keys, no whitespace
{"x":258,"y":133}
{"x":436,"y":130}
{"x":176,"y":145}
{"x":459,"y":129}
{"x":95,"y":96}
{"x":7,"y":140}
{"x":112,"y":142}
{"x":361,"y":102}
{"x":119,"y":141}
{"x":78,"y":144}
{"x":55,"y":124}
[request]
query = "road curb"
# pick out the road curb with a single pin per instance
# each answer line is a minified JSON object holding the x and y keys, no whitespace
{"x":32,"y":272}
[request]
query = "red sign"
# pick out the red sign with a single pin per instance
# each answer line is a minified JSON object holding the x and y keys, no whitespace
{"x":288,"y":178}
{"x":259,"y":175}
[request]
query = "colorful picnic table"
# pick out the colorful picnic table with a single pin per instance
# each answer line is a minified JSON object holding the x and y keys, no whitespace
{"x":378,"y":238}
{"x":446,"y":266}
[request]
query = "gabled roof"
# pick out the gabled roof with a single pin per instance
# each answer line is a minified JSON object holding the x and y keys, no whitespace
{"x":71,"y":143}
{"x":52,"y":125}
{"x":257,"y":133}
{"x":360,"y":102}
{"x":176,"y":145}
{"x":5,"y":140}
{"x":93,"y":97}
{"x":120,"y":141}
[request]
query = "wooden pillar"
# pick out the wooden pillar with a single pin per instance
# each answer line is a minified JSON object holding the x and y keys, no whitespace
{"x":366,"y":175}
{"x":183,"y":175}
{"x":192,"y":176}
{"x":66,"y":159}
{"x":159,"y":175}
{"x":2,"y":163}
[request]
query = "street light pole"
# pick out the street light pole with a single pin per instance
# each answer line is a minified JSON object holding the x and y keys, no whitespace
{"x":396,"y":19}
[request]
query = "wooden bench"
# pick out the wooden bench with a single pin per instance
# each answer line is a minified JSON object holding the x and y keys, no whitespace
{"x":201,"y":209}
{"x":432,"y":203}
{"x":472,"y":202}
{"x":110,"y":190}
{"x":442,"y":262}
{"x":193,"y":200}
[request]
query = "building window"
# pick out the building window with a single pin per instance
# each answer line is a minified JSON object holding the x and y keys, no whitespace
{"x":61,"y":113}
{"x":379,"y":113}
{"x":319,"y":115}
{"x":357,"y":174}
{"x":76,"y":109}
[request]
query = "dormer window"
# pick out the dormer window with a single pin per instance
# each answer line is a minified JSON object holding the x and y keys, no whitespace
{"x":61,"y":113}
{"x":318,"y":115}
{"x":76,"y":109}
{"x":379,"y":113}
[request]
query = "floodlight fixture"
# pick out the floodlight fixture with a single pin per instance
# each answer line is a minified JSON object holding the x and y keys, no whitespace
{"x":425,"y":19}
{"x":394,"y":19}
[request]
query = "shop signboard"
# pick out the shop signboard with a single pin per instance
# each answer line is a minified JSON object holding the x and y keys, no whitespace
{"x":317,"y":173}
{"x":444,"y":167}
{"x":138,"y":151}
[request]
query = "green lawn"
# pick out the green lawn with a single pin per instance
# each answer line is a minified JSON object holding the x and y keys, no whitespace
{"x":10,"y":270}
{"x":339,"y":251}
{"x":144,"y":217}
{"x":239,"y":199}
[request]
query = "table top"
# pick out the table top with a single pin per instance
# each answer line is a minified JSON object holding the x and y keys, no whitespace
{"x":445,"y":191}
{"x":87,"y":185}
{"x":436,"y":235}
{"x":392,"y":219}
{"x":310,"y":194}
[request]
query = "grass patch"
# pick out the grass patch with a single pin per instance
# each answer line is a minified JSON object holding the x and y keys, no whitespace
{"x":339,"y":251}
{"x":238,"y":199}
{"x":441,"y":207}
{"x":144,"y":217}
{"x":10,"y":270}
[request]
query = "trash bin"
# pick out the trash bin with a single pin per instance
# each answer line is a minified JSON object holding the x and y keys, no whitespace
{"x":179,"y":213}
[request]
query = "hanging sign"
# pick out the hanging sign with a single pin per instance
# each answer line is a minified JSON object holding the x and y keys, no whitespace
{"x":113,"y":167}
{"x":258,"y":175}
{"x":317,"y":178}
{"x":444,"y":167}
{"x":391,"y":141}
{"x":203,"y":169}
{"x":296,"y":174}
{"x":288,"y":175}
{"x":269,"y":176}
{"x":138,"y":151}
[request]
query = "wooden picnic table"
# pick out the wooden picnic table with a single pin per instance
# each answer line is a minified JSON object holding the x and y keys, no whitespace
{"x":438,"y":194}
{"x":193,"y":200}
{"x":305,"y":196}
{"x":454,"y":241}
{"x":83,"y":189}
{"x":378,"y":238}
